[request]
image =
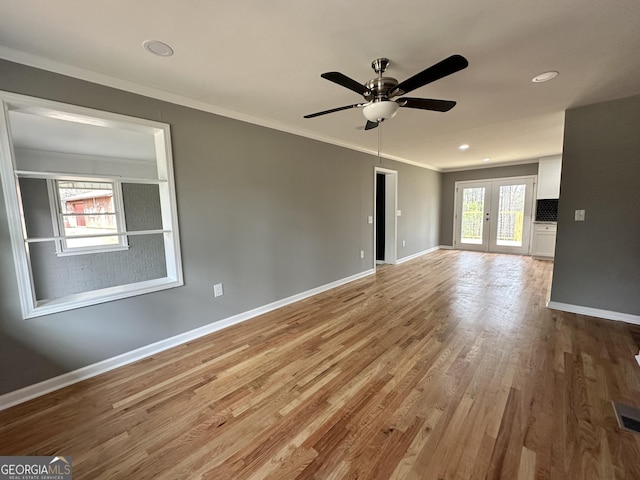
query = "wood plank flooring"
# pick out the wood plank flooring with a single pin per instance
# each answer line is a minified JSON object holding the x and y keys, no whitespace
{"x":445,"y":367}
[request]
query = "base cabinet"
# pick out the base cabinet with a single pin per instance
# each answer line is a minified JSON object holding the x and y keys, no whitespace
{"x":544,"y":241}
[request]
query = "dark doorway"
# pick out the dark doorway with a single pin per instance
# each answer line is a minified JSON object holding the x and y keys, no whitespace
{"x":380,"y":219}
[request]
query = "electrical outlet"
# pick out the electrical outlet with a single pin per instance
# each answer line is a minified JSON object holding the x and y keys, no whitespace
{"x":361,"y":253}
{"x":579,"y":216}
{"x":404,"y":243}
{"x":217,"y":290}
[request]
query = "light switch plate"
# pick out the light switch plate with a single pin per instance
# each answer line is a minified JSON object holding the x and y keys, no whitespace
{"x":217,"y":290}
{"x":579,"y":216}
{"x":399,"y":213}
{"x":370,"y":219}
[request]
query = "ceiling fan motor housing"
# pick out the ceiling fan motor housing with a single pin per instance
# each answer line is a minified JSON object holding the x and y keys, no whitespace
{"x":379,"y":88}
{"x":380,"y":107}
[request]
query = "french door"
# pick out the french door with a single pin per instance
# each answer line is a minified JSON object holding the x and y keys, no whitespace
{"x":494,"y":215}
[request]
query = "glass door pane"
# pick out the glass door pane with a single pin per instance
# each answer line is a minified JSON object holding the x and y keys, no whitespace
{"x":510,"y":220}
{"x":472,"y":216}
{"x":473,"y":203}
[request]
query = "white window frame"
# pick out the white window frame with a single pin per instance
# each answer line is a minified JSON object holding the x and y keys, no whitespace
{"x":57,"y":219}
{"x":10,"y":176}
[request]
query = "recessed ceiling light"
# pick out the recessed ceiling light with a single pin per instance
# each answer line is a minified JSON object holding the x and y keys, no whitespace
{"x":156,"y":47}
{"x":463,"y":146}
{"x":544,"y":77}
{"x":486,"y":160}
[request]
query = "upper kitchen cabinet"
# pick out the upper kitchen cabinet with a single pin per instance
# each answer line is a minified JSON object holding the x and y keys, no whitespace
{"x":549,"y":170}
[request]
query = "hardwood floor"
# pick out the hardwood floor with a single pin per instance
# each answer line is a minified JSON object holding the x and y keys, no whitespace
{"x":445,"y":367}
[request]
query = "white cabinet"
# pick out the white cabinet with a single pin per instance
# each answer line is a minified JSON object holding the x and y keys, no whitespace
{"x":549,"y":170}
{"x":544,"y":241}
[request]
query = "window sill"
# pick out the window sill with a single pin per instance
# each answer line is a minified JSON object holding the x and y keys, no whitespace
{"x":88,"y":251}
{"x":70,"y":302}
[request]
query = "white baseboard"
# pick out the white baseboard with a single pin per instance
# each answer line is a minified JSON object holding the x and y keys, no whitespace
{"x":42,"y":388}
{"x":594,"y":312}
{"x":416,"y":255}
{"x":446,"y":247}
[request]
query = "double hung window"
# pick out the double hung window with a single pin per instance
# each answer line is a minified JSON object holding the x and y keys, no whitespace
{"x":86,"y":214}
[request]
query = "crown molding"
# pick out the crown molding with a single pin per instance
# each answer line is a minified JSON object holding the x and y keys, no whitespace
{"x":524,"y":161}
{"x":132,"y":87}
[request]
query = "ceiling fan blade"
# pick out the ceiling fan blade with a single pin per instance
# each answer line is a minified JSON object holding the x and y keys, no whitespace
{"x":370,"y":125}
{"x":343,"y":80}
{"x":449,"y":65}
{"x":346,"y":107}
{"x":427,"y":104}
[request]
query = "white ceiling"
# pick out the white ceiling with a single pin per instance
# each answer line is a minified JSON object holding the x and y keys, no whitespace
{"x":261,"y":61}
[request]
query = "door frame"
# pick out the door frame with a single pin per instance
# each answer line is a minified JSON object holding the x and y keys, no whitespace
{"x":533,"y":178}
{"x":391,"y":217}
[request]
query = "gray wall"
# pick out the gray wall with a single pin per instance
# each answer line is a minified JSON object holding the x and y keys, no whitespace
{"x":55,"y":277}
{"x":449,"y":180}
{"x":267,"y":213}
{"x":419,"y":201}
{"x":597,"y":261}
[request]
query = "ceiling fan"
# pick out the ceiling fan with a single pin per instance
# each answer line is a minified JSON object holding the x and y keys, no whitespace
{"x":379,"y":92}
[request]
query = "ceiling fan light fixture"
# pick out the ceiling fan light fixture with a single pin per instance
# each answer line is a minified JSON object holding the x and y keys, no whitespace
{"x":382,"y":110}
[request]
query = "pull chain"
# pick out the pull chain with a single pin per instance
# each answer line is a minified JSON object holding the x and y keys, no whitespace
{"x":379,"y":142}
